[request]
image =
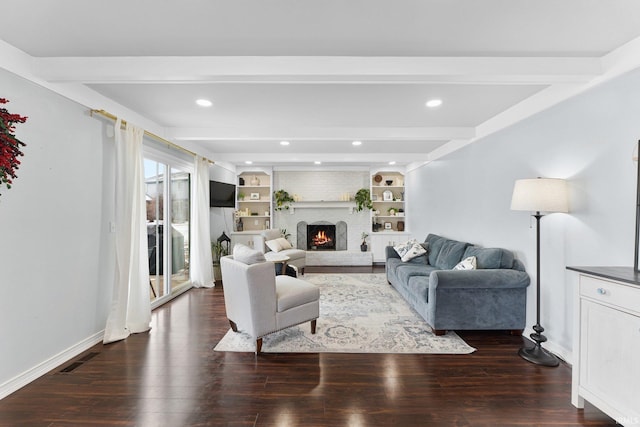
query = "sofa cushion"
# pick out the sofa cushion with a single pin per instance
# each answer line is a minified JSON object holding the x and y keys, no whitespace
{"x":490,"y":257}
{"x":435,"y":243}
{"x":406,"y":270}
{"x":419,"y":287}
{"x":450,"y":254}
{"x":293,"y":292}
{"x":246,"y":255}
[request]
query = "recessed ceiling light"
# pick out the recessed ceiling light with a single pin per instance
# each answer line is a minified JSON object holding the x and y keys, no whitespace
{"x":356,"y":143}
{"x":392,"y":162}
{"x":284,"y":142}
{"x":433,"y":103}
{"x":317,"y":162}
{"x":204,"y":102}
{"x":248,"y":162}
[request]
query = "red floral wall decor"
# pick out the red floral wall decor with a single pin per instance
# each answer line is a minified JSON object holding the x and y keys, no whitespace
{"x":9,"y":145}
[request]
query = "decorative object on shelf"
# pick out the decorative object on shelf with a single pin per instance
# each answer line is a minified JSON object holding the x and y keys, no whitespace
{"x":400,"y":225}
{"x":387,"y":226}
{"x":282,"y":199}
{"x":239,"y":225}
{"x":387,"y":196}
{"x":266,"y":224}
{"x":254,"y":196}
{"x":363,"y":246}
{"x":374,"y":197}
{"x":376,"y":226}
{"x":241,"y":181}
{"x":241,"y":196}
{"x":389,"y":182}
{"x":392,"y":211}
{"x":255,"y":181}
{"x":378,"y":178}
{"x":363,"y":199}
{"x":539,"y":195}
{"x":9,"y":145}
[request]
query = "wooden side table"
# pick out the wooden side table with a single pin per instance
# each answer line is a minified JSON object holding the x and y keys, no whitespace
{"x":276,"y":258}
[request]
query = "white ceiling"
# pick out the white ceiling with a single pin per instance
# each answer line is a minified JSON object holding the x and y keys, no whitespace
{"x":321,"y":74}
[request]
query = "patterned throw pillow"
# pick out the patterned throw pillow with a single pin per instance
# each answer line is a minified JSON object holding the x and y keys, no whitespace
{"x":410,"y":250}
{"x":466,"y":264}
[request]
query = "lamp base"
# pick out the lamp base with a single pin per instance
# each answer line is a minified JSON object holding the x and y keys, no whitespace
{"x":539,"y":356}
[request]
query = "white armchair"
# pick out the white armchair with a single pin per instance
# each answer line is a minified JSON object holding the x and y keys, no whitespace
{"x":297,"y":257}
{"x":259,"y":302}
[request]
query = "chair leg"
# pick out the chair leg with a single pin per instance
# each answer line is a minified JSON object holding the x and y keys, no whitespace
{"x":313,"y":326}
{"x":258,"y":345}
{"x":234,"y":327}
{"x":439,"y":332}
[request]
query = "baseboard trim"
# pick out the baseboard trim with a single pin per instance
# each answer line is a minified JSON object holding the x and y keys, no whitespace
{"x":41,"y":369}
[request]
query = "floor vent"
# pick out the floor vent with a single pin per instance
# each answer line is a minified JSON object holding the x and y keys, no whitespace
{"x":78,"y":363}
{"x":71,"y":367}
{"x":88,"y":357}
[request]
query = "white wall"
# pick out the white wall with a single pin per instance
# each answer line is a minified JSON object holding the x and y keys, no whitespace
{"x":588,"y":140}
{"x":56,"y":252}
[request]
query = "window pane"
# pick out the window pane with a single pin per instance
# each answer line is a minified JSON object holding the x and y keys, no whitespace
{"x":154,"y":182}
{"x":180,"y":195}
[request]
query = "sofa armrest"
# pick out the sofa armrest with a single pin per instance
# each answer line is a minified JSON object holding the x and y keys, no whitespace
{"x":390,"y":252}
{"x":478,"y":279}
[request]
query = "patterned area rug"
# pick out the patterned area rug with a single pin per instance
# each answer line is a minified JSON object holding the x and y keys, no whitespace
{"x":359,"y":313}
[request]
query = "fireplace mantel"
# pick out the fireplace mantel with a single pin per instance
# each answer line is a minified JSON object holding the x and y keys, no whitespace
{"x":322,"y":204}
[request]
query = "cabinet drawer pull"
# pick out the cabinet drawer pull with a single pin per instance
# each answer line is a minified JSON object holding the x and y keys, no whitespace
{"x":601,"y":291}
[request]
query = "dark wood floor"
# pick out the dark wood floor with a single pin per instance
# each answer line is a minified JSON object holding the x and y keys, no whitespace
{"x":172,"y":377}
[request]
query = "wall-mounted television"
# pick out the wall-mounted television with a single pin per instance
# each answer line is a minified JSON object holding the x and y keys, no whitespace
{"x":222,"y":195}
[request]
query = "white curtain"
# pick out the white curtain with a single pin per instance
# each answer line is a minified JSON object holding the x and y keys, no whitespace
{"x":201,"y":269}
{"x":131,"y":306}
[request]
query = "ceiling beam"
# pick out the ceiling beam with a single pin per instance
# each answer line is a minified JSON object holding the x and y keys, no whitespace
{"x":230,"y":69}
{"x":319,"y":133}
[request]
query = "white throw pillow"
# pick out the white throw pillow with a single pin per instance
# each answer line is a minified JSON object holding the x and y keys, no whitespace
{"x":246,"y":255}
{"x":284,"y":243}
{"x":409,"y":250}
{"x":466,"y":264}
{"x":274,"y":245}
{"x":279,"y":244}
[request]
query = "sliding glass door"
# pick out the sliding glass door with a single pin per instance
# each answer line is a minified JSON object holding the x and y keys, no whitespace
{"x":168,"y":228}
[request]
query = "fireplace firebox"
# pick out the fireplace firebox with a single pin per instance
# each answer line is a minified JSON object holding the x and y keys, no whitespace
{"x":321,"y":237}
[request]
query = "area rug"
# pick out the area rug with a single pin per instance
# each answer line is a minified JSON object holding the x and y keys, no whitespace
{"x":359,"y":313}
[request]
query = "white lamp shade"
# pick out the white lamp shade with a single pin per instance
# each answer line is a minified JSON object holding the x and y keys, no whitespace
{"x":540,"y":195}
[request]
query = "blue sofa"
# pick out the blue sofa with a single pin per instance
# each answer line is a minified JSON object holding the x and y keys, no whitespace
{"x":491,"y":297}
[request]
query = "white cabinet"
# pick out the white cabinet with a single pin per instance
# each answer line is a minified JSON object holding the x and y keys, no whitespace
{"x":243,"y":237}
{"x":606,"y":371}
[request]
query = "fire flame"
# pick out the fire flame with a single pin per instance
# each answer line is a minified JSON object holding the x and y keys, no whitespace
{"x":321,"y":239}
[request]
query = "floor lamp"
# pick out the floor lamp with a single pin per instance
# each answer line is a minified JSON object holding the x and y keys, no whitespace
{"x":539,"y":195}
